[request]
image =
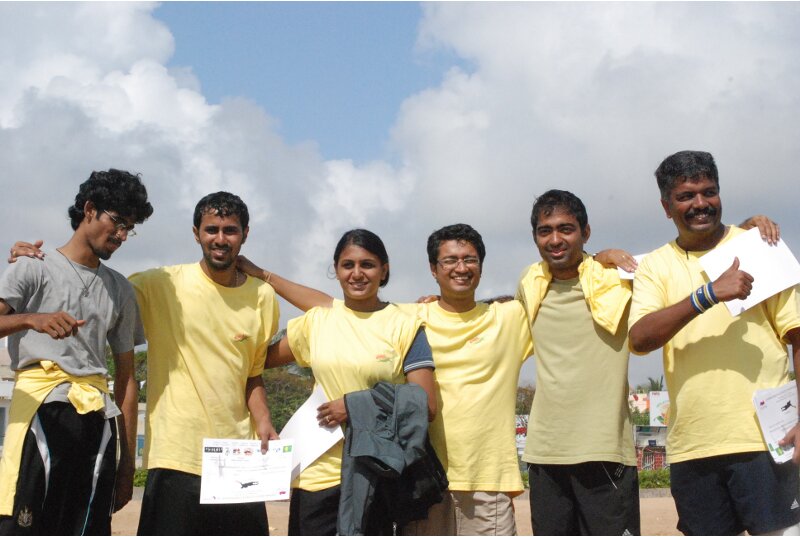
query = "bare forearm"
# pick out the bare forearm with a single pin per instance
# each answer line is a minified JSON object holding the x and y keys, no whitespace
{"x":126,"y":394}
{"x":279,"y":354}
{"x":424,"y":378}
{"x":256,"y":398}
{"x":299,"y":296}
{"x":655,"y":329}
{"x":12,"y":323}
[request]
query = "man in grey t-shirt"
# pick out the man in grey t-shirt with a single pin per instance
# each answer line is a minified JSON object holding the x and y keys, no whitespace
{"x":58,"y":474}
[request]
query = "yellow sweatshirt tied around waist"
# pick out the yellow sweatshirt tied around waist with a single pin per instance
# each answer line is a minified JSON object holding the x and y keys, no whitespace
{"x":31,"y":388}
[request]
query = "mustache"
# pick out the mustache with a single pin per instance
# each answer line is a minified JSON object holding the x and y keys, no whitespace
{"x":708,"y":211}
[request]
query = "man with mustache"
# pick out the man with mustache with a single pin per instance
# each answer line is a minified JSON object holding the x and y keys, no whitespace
{"x":724,"y":480}
{"x":58,"y":474}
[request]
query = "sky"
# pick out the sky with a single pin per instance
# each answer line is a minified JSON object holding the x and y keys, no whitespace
{"x":397,"y":117}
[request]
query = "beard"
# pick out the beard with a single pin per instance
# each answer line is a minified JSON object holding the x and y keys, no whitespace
{"x":218,"y":265}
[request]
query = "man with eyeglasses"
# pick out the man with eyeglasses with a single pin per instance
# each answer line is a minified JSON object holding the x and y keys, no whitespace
{"x":478,"y":349}
{"x":59,"y":471}
{"x":194,"y":393}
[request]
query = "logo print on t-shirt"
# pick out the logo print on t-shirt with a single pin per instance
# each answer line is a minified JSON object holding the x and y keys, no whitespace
{"x":475,"y":340}
{"x":241,"y":337}
{"x":386,"y":356}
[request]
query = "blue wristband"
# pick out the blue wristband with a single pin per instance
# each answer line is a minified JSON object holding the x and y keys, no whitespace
{"x":701,"y":298}
{"x":695,"y":305}
{"x":710,"y":293}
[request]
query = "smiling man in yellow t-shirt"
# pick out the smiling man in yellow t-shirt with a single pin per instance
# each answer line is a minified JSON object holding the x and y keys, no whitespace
{"x":723,"y":479}
{"x":582,"y":470}
{"x":208,"y":326}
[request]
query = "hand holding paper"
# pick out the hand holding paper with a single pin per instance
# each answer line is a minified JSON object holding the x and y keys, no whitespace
{"x":792,"y":441}
{"x":773,"y":269}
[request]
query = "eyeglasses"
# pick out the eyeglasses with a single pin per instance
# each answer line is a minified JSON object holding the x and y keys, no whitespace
{"x":449,"y":263}
{"x":121,"y":225}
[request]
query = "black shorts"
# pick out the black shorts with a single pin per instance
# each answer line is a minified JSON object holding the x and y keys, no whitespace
{"x":314,"y":513}
{"x":171,"y":506}
{"x":590,"y":498}
{"x":317,"y":513}
{"x":729,"y":494}
{"x":61,"y":495}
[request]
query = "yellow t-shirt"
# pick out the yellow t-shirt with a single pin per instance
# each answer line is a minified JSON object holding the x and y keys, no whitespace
{"x":580,"y":411}
{"x":478,"y":355}
{"x":348,"y":351}
{"x":715,"y":363}
{"x":204,"y":341}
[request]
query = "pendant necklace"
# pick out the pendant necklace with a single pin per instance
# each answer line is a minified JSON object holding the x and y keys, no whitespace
{"x":86,"y":286}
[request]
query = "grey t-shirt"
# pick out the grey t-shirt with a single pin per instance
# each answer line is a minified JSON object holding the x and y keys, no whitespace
{"x":51,"y":285}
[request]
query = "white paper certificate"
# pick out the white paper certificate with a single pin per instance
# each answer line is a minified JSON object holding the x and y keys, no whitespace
{"x":776,"y":409}
{"x":773,"y":268}
{"x":310,"y":440}
{"x":235,"y":471}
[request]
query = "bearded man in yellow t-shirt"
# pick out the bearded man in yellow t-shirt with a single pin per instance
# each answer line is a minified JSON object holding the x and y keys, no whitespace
{"x":723,"y":479}
{"x":208,"y":326}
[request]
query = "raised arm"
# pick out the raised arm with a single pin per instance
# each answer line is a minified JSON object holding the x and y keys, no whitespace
{"x":770,"y":231}
{"x":614,"y":257}
{"x":655,"y":329}
{"x":299,"y":296}
{"x":26,"y":249}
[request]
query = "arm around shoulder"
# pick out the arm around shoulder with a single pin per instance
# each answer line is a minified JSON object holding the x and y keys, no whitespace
{"x":300,"y":296}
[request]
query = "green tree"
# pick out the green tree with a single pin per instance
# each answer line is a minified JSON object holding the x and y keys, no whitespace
{"x":652,"y":385}
{"x":140,"y":369}
{"x":287,"y":388}
{"x":655,"y":385}
{"x":525,"y":398}
{"x":640,"y":418}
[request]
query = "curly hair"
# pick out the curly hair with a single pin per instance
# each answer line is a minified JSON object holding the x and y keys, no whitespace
{"x":114,"y":190}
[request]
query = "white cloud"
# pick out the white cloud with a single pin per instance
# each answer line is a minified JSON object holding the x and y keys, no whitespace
{"x":585,"y":97}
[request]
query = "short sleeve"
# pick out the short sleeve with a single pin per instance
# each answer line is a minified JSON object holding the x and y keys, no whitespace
{"x":298,"y":332}
{"x":270,"y":315}
{"x":18,"y":282}
{"x":649,"y":295}
{"x":783,"y":310}
{"x":122,"y":337}
{"x":419,"y":355}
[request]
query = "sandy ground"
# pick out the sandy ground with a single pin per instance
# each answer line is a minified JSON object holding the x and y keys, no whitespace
{"x":658,"y":515}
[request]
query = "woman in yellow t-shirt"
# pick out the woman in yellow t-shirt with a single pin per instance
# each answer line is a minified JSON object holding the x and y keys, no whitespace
{"x":349,"y":346}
